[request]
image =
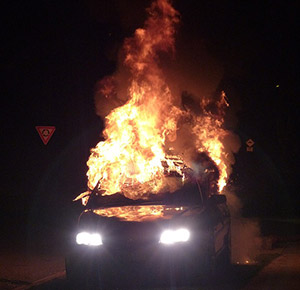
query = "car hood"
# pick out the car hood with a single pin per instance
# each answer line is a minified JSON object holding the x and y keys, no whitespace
{"x":144,"y":213}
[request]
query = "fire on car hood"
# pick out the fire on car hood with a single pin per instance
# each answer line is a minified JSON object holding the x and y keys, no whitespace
{"x":141,"y":213}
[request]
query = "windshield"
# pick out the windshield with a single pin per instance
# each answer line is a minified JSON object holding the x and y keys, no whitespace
{"x":188,"y":194}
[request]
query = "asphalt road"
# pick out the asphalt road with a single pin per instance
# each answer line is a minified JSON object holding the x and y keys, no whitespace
{"x":277,"y":266}
{"x":282,"y":273}
{"x":277,"y":269}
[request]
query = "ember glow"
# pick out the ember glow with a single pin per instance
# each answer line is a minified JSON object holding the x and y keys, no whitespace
{"x":136,"y":153}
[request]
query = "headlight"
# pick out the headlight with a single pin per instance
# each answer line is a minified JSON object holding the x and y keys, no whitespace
{"x":174,"y":236}
{"x":88,"y":239}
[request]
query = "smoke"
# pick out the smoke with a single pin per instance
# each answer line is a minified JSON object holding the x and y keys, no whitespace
{"x":246,"y":240}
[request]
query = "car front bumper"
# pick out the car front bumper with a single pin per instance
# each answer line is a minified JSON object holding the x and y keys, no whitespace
{"x":136,"y":264}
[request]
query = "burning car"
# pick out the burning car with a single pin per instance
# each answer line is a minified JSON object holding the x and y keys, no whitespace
{"x":173,"y":237}
{"x":154,"y":204}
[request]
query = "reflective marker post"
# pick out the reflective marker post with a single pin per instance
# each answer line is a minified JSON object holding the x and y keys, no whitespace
{"x":250,"y":144}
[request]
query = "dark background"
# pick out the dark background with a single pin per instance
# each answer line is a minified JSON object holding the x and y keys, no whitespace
{"x":54,"y":52}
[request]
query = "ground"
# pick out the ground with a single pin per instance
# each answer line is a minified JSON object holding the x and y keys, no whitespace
{"x":41,"y":267}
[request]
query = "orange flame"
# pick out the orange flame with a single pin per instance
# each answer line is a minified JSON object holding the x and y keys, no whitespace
{"x":209,"y":132}
{"x":131,"y":158}
{"x":133,"y":213}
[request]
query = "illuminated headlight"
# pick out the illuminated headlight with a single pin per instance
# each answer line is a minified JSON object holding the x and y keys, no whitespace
{"x":170,"y":237}
{"x":88,"y":239}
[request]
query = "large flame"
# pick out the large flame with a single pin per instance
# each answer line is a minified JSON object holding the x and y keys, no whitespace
{"x":134,"y":157}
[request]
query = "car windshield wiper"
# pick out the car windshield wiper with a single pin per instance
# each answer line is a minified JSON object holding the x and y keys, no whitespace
{"x":97,"y":199}
{"x":93,"y":195}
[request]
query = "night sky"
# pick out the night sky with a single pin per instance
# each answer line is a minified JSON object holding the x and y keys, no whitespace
{"x":54,"y":52}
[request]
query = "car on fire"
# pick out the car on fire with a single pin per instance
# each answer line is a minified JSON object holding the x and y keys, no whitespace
{"x":174,"y":237}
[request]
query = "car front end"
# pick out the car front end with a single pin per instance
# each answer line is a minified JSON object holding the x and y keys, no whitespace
{"x":139,"y":247}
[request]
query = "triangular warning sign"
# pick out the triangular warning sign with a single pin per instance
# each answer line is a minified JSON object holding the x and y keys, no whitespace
{"x":45,"y":132}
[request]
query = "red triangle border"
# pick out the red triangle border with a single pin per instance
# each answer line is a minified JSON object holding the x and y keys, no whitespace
{"x":45,"y":133}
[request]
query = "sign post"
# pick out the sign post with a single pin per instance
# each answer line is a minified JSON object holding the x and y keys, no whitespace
{"x":45,"y":132}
